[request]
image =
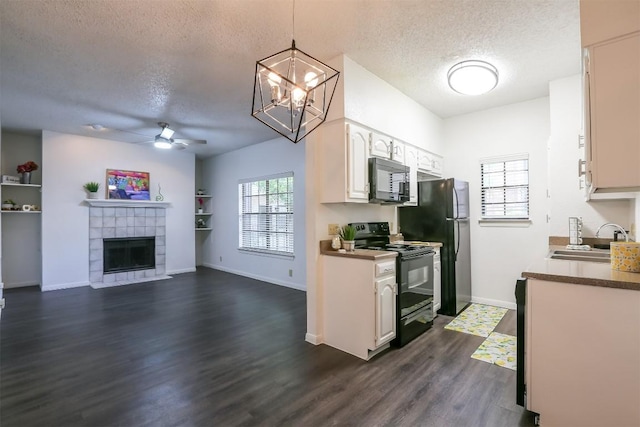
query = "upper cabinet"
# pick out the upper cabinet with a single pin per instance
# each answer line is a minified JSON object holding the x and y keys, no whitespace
{"x":611,"y":38}
{"x":345,"y":151}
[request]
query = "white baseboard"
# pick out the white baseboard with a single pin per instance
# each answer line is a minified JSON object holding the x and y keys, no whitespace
{"x":495,"y":302}
{"x":101,"y":285}
{"x":45,"y":288}
{"x":182,"y":270}
{"x":256,"y":276}
{"x":313,"y":339}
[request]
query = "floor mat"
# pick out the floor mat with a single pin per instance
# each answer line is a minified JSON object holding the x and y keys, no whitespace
{"x":477,"y":319}
{"x":499,"y":349}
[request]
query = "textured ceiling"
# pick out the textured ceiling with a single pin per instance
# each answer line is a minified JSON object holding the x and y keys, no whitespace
{"x":127,"y":64}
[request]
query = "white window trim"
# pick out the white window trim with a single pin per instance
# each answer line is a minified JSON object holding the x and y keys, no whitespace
{"x":507,"y":221}
{"x":263,"y":251}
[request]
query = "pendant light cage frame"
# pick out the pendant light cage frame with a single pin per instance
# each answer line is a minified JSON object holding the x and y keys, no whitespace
{"x":292,"y":92}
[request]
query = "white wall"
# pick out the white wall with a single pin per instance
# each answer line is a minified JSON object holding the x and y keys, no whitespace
{"x":69,"y":161}
{"x":220,"y":176}
{"x":566,"y":198}
{"x":372,"y":102}
{"x":499,"y":254}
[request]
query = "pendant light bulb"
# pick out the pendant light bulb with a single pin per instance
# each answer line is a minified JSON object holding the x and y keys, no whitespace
{"x":311,"y":79}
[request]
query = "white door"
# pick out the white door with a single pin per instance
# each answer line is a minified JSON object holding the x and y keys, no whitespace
{"x":437,"y":283}
{"x":385,"y":310}
{"x":358,"y":170}
{"x":380,"y":146}
{"x":411,"y":160}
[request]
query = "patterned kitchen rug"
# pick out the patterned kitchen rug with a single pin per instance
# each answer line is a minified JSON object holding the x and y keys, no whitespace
{"x":477,"y":319}
{"x":499,"y":349}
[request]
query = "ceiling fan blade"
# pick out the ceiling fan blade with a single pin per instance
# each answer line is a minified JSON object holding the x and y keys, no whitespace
{"x":175,"y":146}
{"x":189,"y":141}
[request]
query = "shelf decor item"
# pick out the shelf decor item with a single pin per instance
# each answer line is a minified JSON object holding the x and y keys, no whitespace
{"x":200,"y":192}
{"x":201,"y":208}
{"x":92,"y":188}
{"x":8,"y":204}
{"x":25,"y":170}
{"x":201,"y":223}
{"x":348,"y":236}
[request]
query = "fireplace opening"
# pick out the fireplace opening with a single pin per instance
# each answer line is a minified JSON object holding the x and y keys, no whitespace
{"x":129,"y":254}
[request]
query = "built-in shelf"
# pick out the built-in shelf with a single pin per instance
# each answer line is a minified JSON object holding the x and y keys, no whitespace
{"x":22,"y":212}
{"x":10,"y":184}
{"x":120,"y":203}
{"x":203,"y":229}
{"x":204,"y":196}
{"x":204,"y":214}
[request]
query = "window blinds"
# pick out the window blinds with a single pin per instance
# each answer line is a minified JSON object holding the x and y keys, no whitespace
{"x":505,"y":188}
{"x":266,"y":214}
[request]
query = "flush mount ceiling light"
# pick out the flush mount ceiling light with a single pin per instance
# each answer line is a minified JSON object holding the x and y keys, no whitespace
{"x":472,"y":77}
{"x":292,"y":92}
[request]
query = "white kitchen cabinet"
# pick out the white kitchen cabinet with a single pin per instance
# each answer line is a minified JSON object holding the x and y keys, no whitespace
{"x":385,"y":310}
{"x":425,"y":161}
{"x":612,"y":108}
{"x":438,"y":163}
{"x":582,"y":347}
{"x":381,"y":146}
{"x":398,"y":151}
{"x":359,"y":304}
{"x":343,"y":173}
{"x":411,"y":160}
{"x":437,"y":282}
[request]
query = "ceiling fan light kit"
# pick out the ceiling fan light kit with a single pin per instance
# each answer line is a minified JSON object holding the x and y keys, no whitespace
{"x":472,"y":77}
{"x":161,"y":142}
{"x":166,"y":133}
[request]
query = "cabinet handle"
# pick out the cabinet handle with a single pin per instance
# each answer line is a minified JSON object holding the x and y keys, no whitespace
{"x":582,"y":167}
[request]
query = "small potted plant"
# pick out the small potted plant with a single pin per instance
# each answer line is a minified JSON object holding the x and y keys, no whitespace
{"x":201,"y":223}
{"x":348,"y":236}
{"x":92,"y":188}
{"x":25,"y":170}
{"x":8,"y":204}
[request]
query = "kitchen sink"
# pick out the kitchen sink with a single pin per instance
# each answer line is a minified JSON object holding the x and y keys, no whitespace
{"x":590,"y":256}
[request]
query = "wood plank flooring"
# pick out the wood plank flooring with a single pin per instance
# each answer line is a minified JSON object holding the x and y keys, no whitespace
{"x":214,"y":349}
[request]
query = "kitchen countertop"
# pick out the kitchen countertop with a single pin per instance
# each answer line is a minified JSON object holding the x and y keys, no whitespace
{"x":326,"y":249}
{"x":582,"y":273}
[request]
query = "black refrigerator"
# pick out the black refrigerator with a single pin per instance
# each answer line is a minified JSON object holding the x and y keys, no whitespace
{"x":442,"y":215}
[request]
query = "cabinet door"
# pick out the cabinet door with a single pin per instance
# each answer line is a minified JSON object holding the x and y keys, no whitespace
{"x":425,"y":162}
{"x":411,"y":160}
{"x":437,"y":165}
{"x":398,"y":151}
{"x":437,"y":282}
{"x":615,"y":107}
{"x":357,"y":162}
{"x":385,"y":310}
{"x":380,"y":146}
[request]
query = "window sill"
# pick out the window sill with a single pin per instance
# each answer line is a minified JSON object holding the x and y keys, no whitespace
{"x":505,"y":222}
{"x":270,"y":254}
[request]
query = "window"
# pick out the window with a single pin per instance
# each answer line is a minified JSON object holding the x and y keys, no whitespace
{"x":505,"y":187}
{"x":266,"y":214}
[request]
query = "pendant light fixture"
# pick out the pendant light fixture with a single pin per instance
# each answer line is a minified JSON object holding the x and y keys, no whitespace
{"x":473,"y":77}
{"x":292,"y":91}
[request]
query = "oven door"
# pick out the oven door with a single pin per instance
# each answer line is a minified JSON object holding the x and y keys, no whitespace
{"x":415,"y":276}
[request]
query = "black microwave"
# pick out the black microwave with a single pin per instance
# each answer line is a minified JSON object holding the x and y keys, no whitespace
{"x":388,"y":181}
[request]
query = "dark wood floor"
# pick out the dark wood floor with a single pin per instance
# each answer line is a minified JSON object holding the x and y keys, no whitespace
{"x":214,"y":349}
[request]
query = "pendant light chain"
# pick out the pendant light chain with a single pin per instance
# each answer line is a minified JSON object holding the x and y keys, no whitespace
{"x":293,"y":20}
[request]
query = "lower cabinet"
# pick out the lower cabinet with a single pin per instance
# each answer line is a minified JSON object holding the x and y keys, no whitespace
{"x":359,"y":304}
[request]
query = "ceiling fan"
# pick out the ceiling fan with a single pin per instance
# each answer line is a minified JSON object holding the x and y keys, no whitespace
{"x":165,"y":139}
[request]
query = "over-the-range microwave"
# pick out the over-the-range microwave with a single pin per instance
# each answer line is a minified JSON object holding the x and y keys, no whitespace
{"x":388,"y":181}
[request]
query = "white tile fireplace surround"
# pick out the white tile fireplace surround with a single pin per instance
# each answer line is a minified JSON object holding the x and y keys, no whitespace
{"x":121,"y":218}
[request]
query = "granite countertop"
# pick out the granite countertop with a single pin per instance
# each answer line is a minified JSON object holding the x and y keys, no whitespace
{"x":326,"y":249}
{"x":582,"y":273}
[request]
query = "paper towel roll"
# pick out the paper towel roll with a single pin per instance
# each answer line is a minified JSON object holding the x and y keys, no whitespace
{"x":625,"y":256}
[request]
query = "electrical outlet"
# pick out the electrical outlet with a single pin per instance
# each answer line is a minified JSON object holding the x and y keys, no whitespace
{"x":290,"y":273}
{"x":334,"y":229}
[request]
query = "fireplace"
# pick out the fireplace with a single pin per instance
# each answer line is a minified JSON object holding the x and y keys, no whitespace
{"x":129,"y":254}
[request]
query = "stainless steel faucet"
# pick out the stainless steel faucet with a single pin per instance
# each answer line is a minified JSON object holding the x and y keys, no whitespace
{"x":624,"y":233}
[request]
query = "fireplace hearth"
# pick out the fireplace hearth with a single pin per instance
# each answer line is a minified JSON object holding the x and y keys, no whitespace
{"x":129,"y":254}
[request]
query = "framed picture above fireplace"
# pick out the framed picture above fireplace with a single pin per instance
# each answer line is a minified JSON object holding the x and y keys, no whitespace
{"x":122,"y":184}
